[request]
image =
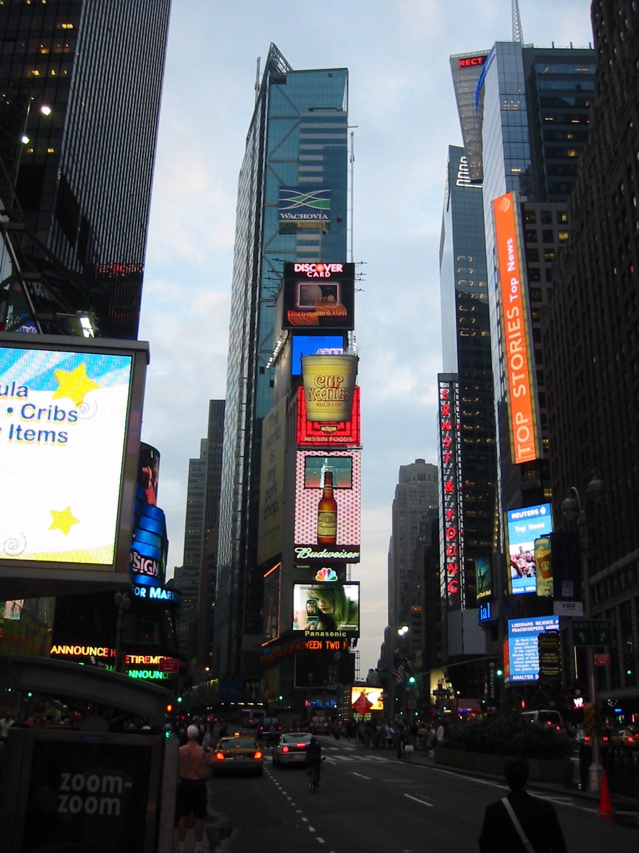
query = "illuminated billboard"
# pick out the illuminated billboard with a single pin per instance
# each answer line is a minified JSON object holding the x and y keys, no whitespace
{"x":313,"y":345}
{"x":517,"y":352}
{"x":327,"y":506}
{"x":328,"y":433}
{"x":523,"y":646}
{"x":271,"y":606}
{"x":271,"y":506}
{"x":318,"y":296}
{"x":484,"y":576}
{"x":150,"y":545}
{"x":366,"y":699}
{"x":450,"y":492}
{"x":71,"y":416}
{"x":326,"y":609}
{"x":524,"y":526}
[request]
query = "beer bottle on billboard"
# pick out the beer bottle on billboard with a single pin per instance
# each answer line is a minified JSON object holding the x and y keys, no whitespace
{"x":327,"y":513}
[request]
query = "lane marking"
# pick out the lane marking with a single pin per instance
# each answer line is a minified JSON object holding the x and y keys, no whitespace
{"x":361,"y":775}
{"x":417,"y":800}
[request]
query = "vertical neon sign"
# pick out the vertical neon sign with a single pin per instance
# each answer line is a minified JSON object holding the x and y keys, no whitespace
{"x":451,"y":514}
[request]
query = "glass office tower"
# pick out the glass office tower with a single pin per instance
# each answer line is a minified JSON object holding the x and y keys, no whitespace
{"x":298,"y":138}
{"x":81,"y":84}
{"x":468,"y":456}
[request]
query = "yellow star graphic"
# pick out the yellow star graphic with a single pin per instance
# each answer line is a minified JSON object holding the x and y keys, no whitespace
{"x":63,"y":521}
{"x":74,"y":384}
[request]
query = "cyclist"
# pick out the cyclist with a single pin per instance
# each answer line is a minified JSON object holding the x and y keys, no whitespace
{"x":314,"y":756}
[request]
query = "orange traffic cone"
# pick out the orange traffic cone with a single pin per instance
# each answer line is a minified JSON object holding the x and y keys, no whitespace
{"x":605,"y":806}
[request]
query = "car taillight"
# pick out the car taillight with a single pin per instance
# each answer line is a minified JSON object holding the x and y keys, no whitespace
{"x":630,"y":739}
{"x":219,"y":755}
{"x":258,"y":754}
{"x":285,"y":749}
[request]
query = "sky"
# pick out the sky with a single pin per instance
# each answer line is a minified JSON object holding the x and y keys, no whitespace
{"x":403,"y":117}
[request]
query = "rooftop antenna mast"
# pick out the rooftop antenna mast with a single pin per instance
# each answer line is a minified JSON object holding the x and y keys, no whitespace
{"x":518,"y":34}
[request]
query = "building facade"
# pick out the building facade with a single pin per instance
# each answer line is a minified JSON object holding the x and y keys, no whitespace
{"x":78,"y":148}
{"x":591,"y":346}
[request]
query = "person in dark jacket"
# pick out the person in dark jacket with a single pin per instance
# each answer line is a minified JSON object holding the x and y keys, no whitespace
{"x":537,"y":818}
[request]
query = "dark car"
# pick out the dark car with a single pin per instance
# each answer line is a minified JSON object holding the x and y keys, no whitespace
{"x":268,"y":723}
{"x":237,"y":754}
{"x":291,"y":748}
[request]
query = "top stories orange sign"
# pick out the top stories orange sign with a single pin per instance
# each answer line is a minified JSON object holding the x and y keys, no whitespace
{"x":516,"y":351}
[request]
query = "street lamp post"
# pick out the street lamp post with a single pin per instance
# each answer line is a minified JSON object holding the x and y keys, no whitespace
{"x":574,"y":510}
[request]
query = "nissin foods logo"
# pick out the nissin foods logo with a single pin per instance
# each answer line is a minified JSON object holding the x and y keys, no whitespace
{"x":297,"y":205}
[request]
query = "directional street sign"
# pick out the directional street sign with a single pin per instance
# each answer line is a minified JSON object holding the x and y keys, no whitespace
{"x":591,"y":632}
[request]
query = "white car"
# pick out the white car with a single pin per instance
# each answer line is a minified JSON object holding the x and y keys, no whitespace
{"x":291,"y":748}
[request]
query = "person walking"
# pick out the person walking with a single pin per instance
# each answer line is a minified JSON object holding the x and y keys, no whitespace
{"x":193,"y":771}
{"x":520,"y":822}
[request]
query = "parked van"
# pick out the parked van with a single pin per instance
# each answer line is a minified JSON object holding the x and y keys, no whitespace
{"x":543,"y":717}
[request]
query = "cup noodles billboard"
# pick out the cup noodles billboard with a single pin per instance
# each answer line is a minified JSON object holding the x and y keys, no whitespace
{"x":318,"y":296}
{"x":328,"y":433}
{"x":327,"y":507}
{"x":70,"y":412}
{"x":517,"y":352}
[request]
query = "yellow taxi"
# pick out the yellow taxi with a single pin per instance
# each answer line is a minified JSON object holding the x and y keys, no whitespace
{"x":237,"y":753}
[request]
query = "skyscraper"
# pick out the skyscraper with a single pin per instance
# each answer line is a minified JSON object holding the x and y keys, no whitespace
{"x":196,"y":577}
{"x":80,"y":85}
{"x":468,"y":458}
{"x":532,"y":104}
{"x":297,"y":148}
{"x":524,"y":114}
{"x":415,"y":505}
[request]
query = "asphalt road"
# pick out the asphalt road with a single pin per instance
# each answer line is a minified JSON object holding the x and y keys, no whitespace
{"x":370,"y":801}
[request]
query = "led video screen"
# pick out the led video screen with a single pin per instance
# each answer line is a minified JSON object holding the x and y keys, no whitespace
{"x":68,"y":455}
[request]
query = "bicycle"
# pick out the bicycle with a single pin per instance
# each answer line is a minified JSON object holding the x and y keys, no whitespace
{"x":314,"y":777}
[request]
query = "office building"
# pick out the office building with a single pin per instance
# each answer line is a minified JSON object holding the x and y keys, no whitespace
{"x":80,"y":87}
{"x":591,"y":347}
{"x":415,"y":504}
{"x":296,"y":161}
{"x":466,"y":425}
{"x":196,"y":577}
{"x":524,"y":114}
{"x":534,"y":109}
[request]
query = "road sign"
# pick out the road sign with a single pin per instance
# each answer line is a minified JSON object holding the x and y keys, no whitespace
{"x":602,"y":660}
{"x":591,"y":632}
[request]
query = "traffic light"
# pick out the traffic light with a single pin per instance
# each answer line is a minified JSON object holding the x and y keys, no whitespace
{"x":411,"y":680}
{"x":169,"y":708}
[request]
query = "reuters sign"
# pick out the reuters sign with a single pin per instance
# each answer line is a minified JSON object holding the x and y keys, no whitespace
{"x":515,"y":338}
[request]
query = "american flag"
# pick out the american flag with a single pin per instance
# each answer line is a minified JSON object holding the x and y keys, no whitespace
{"x":399,"y":671}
